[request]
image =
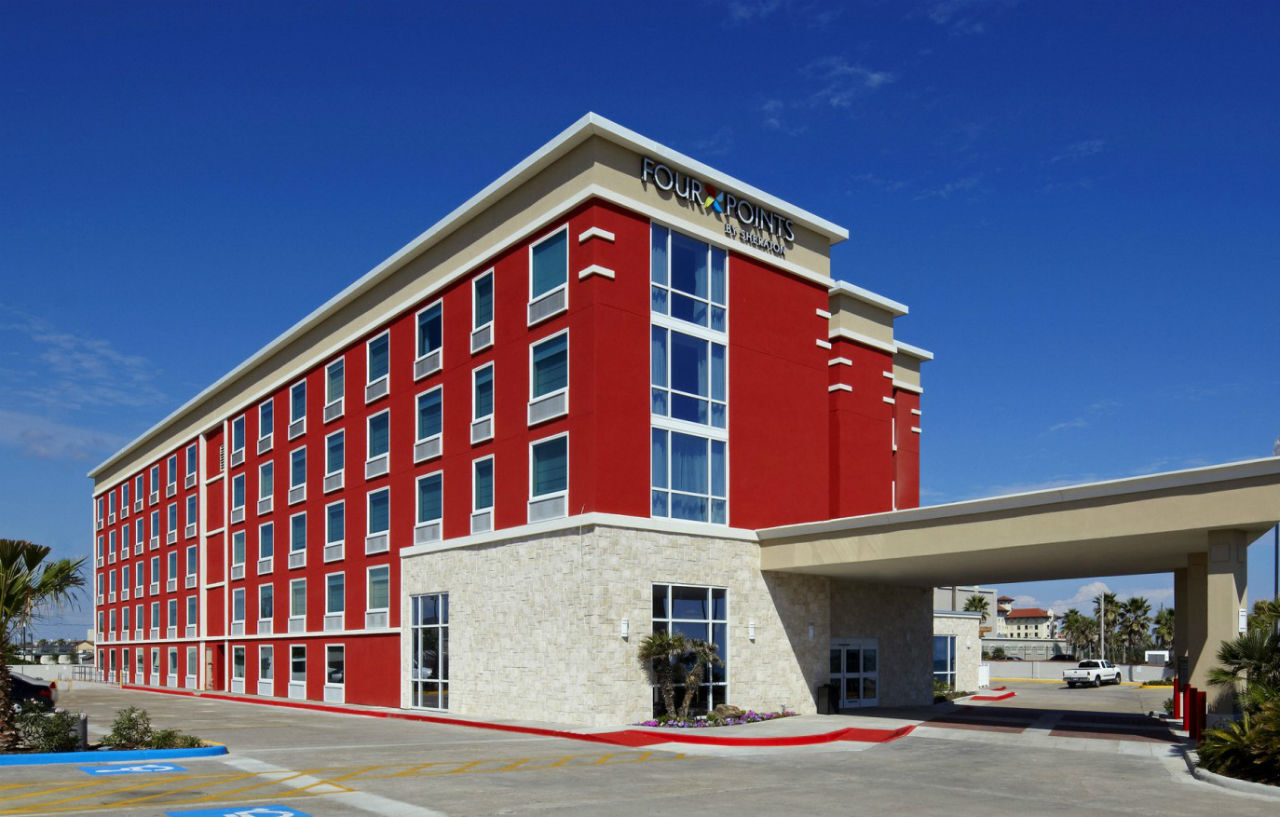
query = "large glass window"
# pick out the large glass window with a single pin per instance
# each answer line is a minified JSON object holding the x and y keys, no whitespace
{"x":298,"y":598}
{"x":237,"y":435}
{"x":171,"y":469}
{"x":237,"y":604}
{"x":429,"y":651}
{"x":430,"y":498}
{"x":689,"y":479}
{"x":297,"y":663}
{"x":267,"y":541}
{"x":379,"y":434}
{"x":334,"y":452}
{"x":550,"y":467}
{"x":379,"y":511}
{"x":430,"y":329}
{"x":266,"y":419}
{"x":237,"y":548}
{"x":335,"y":664}
{"x":550,"y":366}
{"x":335,"y":593}
{"x":335,"y":527}
{"x":193,"y":560}
{"x":191,"y":469}
{"x":688,"y":378}
{"x":298,"y":402}
{"x":237,"y":664}
{"x":298,"y":468}
{"x":298,"y":533}
{"x":482,"y":301}
{"x":266,"y":602}
{"x":237,"y":492}
{"x":430,"y":413}
{"x":266,"y":479}
{"x":549,"y":264}
{"x":266,"y":662}
{"x":334,"y":383}
{"x":379,"y":357}
{"x":689,"y":279}
{"x":379,"y":596}
{"x":193,"y":611}
{"x":482,"y":398}
{"x":944,"y":660}
{"x":155,"y":482}
{"x":483,"y":484}
{"x":701,"y":613}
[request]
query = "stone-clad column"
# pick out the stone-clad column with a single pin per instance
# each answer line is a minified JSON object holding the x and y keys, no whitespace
{"x":1216,"y":584}
{"x":1181,"y":607}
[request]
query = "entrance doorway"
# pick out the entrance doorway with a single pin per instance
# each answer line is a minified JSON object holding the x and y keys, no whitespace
{"x":855,"y":671}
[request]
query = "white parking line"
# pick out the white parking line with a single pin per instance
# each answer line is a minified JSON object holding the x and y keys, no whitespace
{"x":364,"y":801}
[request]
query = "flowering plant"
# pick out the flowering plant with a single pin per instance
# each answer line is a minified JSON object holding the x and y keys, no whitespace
{"x":751,"y":716}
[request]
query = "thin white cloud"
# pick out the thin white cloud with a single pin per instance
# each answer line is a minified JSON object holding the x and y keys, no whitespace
{"x":1096,"y":409}
{"x":745,"y":11}
{"x":960,"y":17}
{"x":949,"y":189}
{"x":37,"y":436}
{"x":1079,"y":150}
{"x":1078,"y":422}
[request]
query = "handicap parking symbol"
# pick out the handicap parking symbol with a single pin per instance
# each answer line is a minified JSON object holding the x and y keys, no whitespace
{"x":133,"y":768}
{"x":241,"y":811}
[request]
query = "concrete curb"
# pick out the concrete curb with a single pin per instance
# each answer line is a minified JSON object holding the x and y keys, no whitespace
{"x":109,"y":756}
{"x":1243,"y":786}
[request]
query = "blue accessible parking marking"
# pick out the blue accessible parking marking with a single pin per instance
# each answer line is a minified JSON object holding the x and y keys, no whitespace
{"x":133,"y":768}
{"x":241,"y":811}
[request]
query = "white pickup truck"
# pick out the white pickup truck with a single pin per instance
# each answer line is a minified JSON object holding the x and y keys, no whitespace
{"x":1092,"y":673}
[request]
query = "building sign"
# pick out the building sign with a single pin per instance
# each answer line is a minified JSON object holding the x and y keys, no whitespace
{"x":743,"y":219}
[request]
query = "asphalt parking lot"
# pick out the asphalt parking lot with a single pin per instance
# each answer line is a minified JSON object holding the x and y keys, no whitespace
{"x":327,"y":765}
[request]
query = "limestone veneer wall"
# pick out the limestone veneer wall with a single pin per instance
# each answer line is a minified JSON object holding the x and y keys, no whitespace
{"x":535,"y":623}
{"x":902,"y":619}
{"x":968,"y":647}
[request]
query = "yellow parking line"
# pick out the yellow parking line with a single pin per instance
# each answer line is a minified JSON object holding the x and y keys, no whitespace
{"x":152,"y":782}
{"x":71,"y":787}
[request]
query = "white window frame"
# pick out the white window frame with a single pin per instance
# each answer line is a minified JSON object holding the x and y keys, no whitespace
{"x":266,"y":474}
{"x":171,"y":523}
{"x":334,"y":480}
{"x":378,"y":387}
{"x":237,"y":624}
{"x":237,"y":454}
{"x":192,"y":515}
{"x":335,"y":619}
{"x":237,"y":567}
{"x":546,"y":407}
{"x":192,"y":566}
{"x":431,"y":446}
{"x":171,"y":618}
{"x":482,"y":333}
{"x":192,"y":619}
{"x":427,"y":530}
{"x":376,"y":541}
{"x":171,"y":473}
{"x":334,"y":406}
{"x":482,"y":518}
{"x":193,"y":465}
{"x":266,"y":680}
{"x":376,"y":617}
{"x":139,"y":491}
{"x":265,"y":563}
{"x":298,"y":556}
{"x":124,"y":499}
{"x":333,"y":550}
{"x":237,"y":511}
{"x":561,"y":289}
{"x":237,"y":681}
{"x":482,"y":426}
{"x":432,"y":361}
{"x":266,"y":625}
{"x":298,"y":687}
{"x":297,"y":620}
{"x":266,"y":437}
{"x":335,"y":693}
{"x":554,"y":505}
{"x":154,"y":479}
{"x":297,"y":425}
{"x":297,"y":492}
{"x":380,"y":464}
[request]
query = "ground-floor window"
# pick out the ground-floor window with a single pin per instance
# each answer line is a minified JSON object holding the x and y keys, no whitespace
{"x":702,"y":613}
{"x":335,"y":672}
{"x":944,"y":660}
{"x":429,"y":628}
{"x":193,"y":666}
{"x":237,"y":669}
{"x":297,"y":671}
{"x":173,"y":666}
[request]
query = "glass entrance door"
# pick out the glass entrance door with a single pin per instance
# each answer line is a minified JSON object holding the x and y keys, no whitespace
{"x":855,"y":671}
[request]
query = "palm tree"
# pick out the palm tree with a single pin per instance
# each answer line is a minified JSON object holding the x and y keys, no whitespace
{"x":977,"y":604}
{"x":1163,"y":632}
{"x":1079,"y":630}
{"x":704,"y":654}
{"x":660,"y":651}
{"x":1253,"y":656}
{"x":29,"y":585}
{"x":1134,"y":621}
{"x":1106,"y":611}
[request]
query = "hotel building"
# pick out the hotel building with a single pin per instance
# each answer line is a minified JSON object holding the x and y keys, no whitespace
{"x":553,"y":423}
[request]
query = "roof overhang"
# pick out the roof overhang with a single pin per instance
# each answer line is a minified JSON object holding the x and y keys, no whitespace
{"x":1129,"y":526}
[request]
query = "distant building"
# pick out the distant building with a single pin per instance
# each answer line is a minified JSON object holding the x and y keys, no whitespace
{"x":1030,"y":622}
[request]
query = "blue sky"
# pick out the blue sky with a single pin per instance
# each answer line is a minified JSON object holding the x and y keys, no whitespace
{"x":1077,"y":202}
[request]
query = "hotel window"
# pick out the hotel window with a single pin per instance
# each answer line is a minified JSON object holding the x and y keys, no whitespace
{"x":298,"y":540}
{"x":549,"y":478}
{"x":297,"y":475}
{"x":549,"y":378}
{"x":378,"y":461}
{"x":193,"y":565}
{"x":192,"y":465}
{"x":688,"y":378}
{"x":378,"y":594}
{"x":139,"y":535}
{"x":689,"y":279}
{"x":297,"y":670}
{"x":335,"y":672}
{"x":430,"y":339}
{"x":266,"y":607}
{"x":334,"y":389}
{"x":155,"y":618}
{"x":155,"y":484}
{"x":429,"y":651}
{"x":549,"y":276}
{"x":138,"y":625}
{"x":111,"y":546}
{"x":111,"y":586}
{"x":297,"y":409}
{"x":237,"y":440}
{"x":482,"y":495}
{"x":237,"y":669}
{"x":482,"y":312}
{"x":378,"y":352}
{"x":701,"y":613}
{"x":430,"y":424}
{"x":266,"y":668}
{"x":111,"y":507}
{"x":139,"y":487}
{"x":155,"y":577}
{"x":124,"y":499}
{"x":124,"y":540}
{"x":193,"y":666}
{"x":139,"y":577}
{"x":689,"y":479}
{"x":171,"y":574}
{"x":192,"y":517}
{"x":430,"y":508}
{"x":266,"y":424}
{"x":172,"y":529}
{"x":334,"y":530}
{"x":171,"y":620}
{"x":944,"y":660}
{"x":379,"y":521}
{"x":124,"y":625}
{"x":297,"y":605}
{"x":155,"y":529}
{"x":193,"y":614}
{"x":171,"y":470}
{"x":101,"y":515}
{"x":237,"y":554}
{"x":237,"y":611}
{"x":266,"y":547}
{"x":266,"y":486}
{"x":99,"y":551}
{"x":482,"y":404}
{"x":334,"y":459}
{"x":237,"y":498}
{"x":335,"y":601}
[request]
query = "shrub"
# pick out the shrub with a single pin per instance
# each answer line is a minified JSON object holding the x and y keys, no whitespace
{"x":1248,"y":749}
{"x":173,"y":739}
{"x":130,"y":730}
{"x":42,"y":731}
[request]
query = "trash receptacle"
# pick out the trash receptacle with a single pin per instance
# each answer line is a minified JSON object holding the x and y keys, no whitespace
{"x":826,"y":700}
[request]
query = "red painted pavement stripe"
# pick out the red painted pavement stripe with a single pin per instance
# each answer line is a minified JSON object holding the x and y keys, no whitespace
{"x":623,"y":737}
{"x":1006,"y":696}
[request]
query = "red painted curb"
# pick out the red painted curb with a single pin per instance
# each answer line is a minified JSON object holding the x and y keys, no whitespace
{"x":624,"y":737}
{"x":1003,"y":697}
{"x":997,"y":689}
